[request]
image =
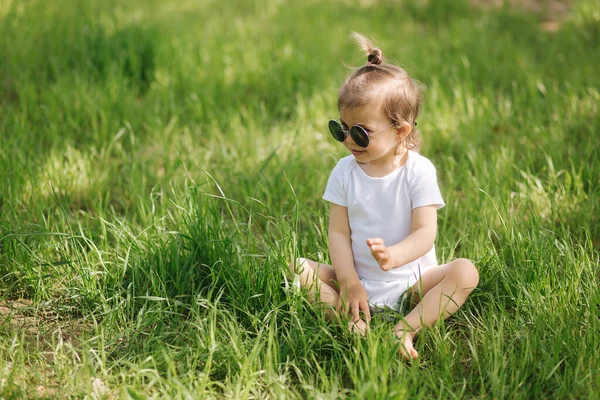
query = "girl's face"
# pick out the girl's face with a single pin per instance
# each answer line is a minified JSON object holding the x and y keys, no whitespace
{"x":382,"y":145}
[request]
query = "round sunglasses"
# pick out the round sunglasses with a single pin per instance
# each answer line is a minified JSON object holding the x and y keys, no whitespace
{"x":356,"y":132}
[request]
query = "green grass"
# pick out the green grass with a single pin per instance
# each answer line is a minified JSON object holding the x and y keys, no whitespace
{"x":162,"y":162}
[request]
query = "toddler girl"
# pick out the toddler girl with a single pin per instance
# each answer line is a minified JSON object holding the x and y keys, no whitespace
{"x":383,"y":218}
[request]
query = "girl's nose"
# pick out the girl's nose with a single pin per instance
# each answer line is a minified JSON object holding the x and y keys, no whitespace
{"x":349,"y":140}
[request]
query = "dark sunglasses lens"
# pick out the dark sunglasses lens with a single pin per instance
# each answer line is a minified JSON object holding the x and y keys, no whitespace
{"x":336,"y":131}
{"x":359,"y":135}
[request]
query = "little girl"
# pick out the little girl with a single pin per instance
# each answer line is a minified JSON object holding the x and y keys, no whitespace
{"x":383,"y":218}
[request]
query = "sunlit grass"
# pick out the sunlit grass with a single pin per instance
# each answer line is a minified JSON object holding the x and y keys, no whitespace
{"x":161,"y":163}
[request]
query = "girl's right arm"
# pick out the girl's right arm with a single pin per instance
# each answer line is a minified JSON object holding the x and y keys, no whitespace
{"x":353,"y":295}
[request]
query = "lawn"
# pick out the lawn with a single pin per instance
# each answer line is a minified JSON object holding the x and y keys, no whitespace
{"x":162,"y":162}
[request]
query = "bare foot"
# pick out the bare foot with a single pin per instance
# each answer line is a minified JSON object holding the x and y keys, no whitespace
{"x":406,"y":343}
{"x":359,"y":327}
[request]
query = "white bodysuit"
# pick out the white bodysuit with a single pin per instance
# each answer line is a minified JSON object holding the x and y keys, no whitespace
{"x":382,"y":208}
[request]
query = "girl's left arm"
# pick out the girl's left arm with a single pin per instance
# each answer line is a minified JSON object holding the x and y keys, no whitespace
{"x":421,"y":239}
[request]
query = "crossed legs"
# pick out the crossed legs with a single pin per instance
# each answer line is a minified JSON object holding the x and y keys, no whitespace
{"x":438,"y":294}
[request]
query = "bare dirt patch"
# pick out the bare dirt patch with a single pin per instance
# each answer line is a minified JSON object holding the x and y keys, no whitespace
{"x":552,"y":12}
{"x":41,"y":331}
{"x":15,"y":312}
{"x":40,"y":324}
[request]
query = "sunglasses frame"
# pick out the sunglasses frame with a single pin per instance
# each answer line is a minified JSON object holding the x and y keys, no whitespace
{"x":356,"y":132}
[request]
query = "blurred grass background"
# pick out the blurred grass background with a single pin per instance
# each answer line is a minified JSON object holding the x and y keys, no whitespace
{"x":162,"y":162}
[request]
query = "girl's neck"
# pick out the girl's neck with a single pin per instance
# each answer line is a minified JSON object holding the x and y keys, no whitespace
{"x":386,"y":164}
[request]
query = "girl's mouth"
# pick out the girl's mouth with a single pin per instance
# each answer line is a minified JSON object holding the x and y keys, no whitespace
{"x":358,"y":152}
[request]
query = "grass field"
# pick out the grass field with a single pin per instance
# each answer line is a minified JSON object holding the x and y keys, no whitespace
{"x":162,"y":162}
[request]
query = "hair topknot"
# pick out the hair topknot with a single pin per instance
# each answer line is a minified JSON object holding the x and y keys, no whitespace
{"x":374,"y":55}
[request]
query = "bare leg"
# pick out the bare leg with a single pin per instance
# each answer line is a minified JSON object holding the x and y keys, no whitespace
{"x":320,"y":280}
{"x":442,"y":291}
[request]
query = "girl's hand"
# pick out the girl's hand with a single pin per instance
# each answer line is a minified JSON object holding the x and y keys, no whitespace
{"x":353,"y":298}
{"x":381,"y":253}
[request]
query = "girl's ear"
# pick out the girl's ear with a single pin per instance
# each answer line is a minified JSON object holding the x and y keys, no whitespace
{"x":403,"y":130}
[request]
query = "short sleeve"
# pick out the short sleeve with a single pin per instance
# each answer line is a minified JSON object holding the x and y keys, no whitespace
{"x":424,"y":189}
{"x":336,"y":192}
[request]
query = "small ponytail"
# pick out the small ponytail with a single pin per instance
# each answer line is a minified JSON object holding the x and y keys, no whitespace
{"x":374,"y":55}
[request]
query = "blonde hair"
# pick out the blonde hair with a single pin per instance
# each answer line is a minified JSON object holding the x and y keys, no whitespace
{"x":389,"y":85}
